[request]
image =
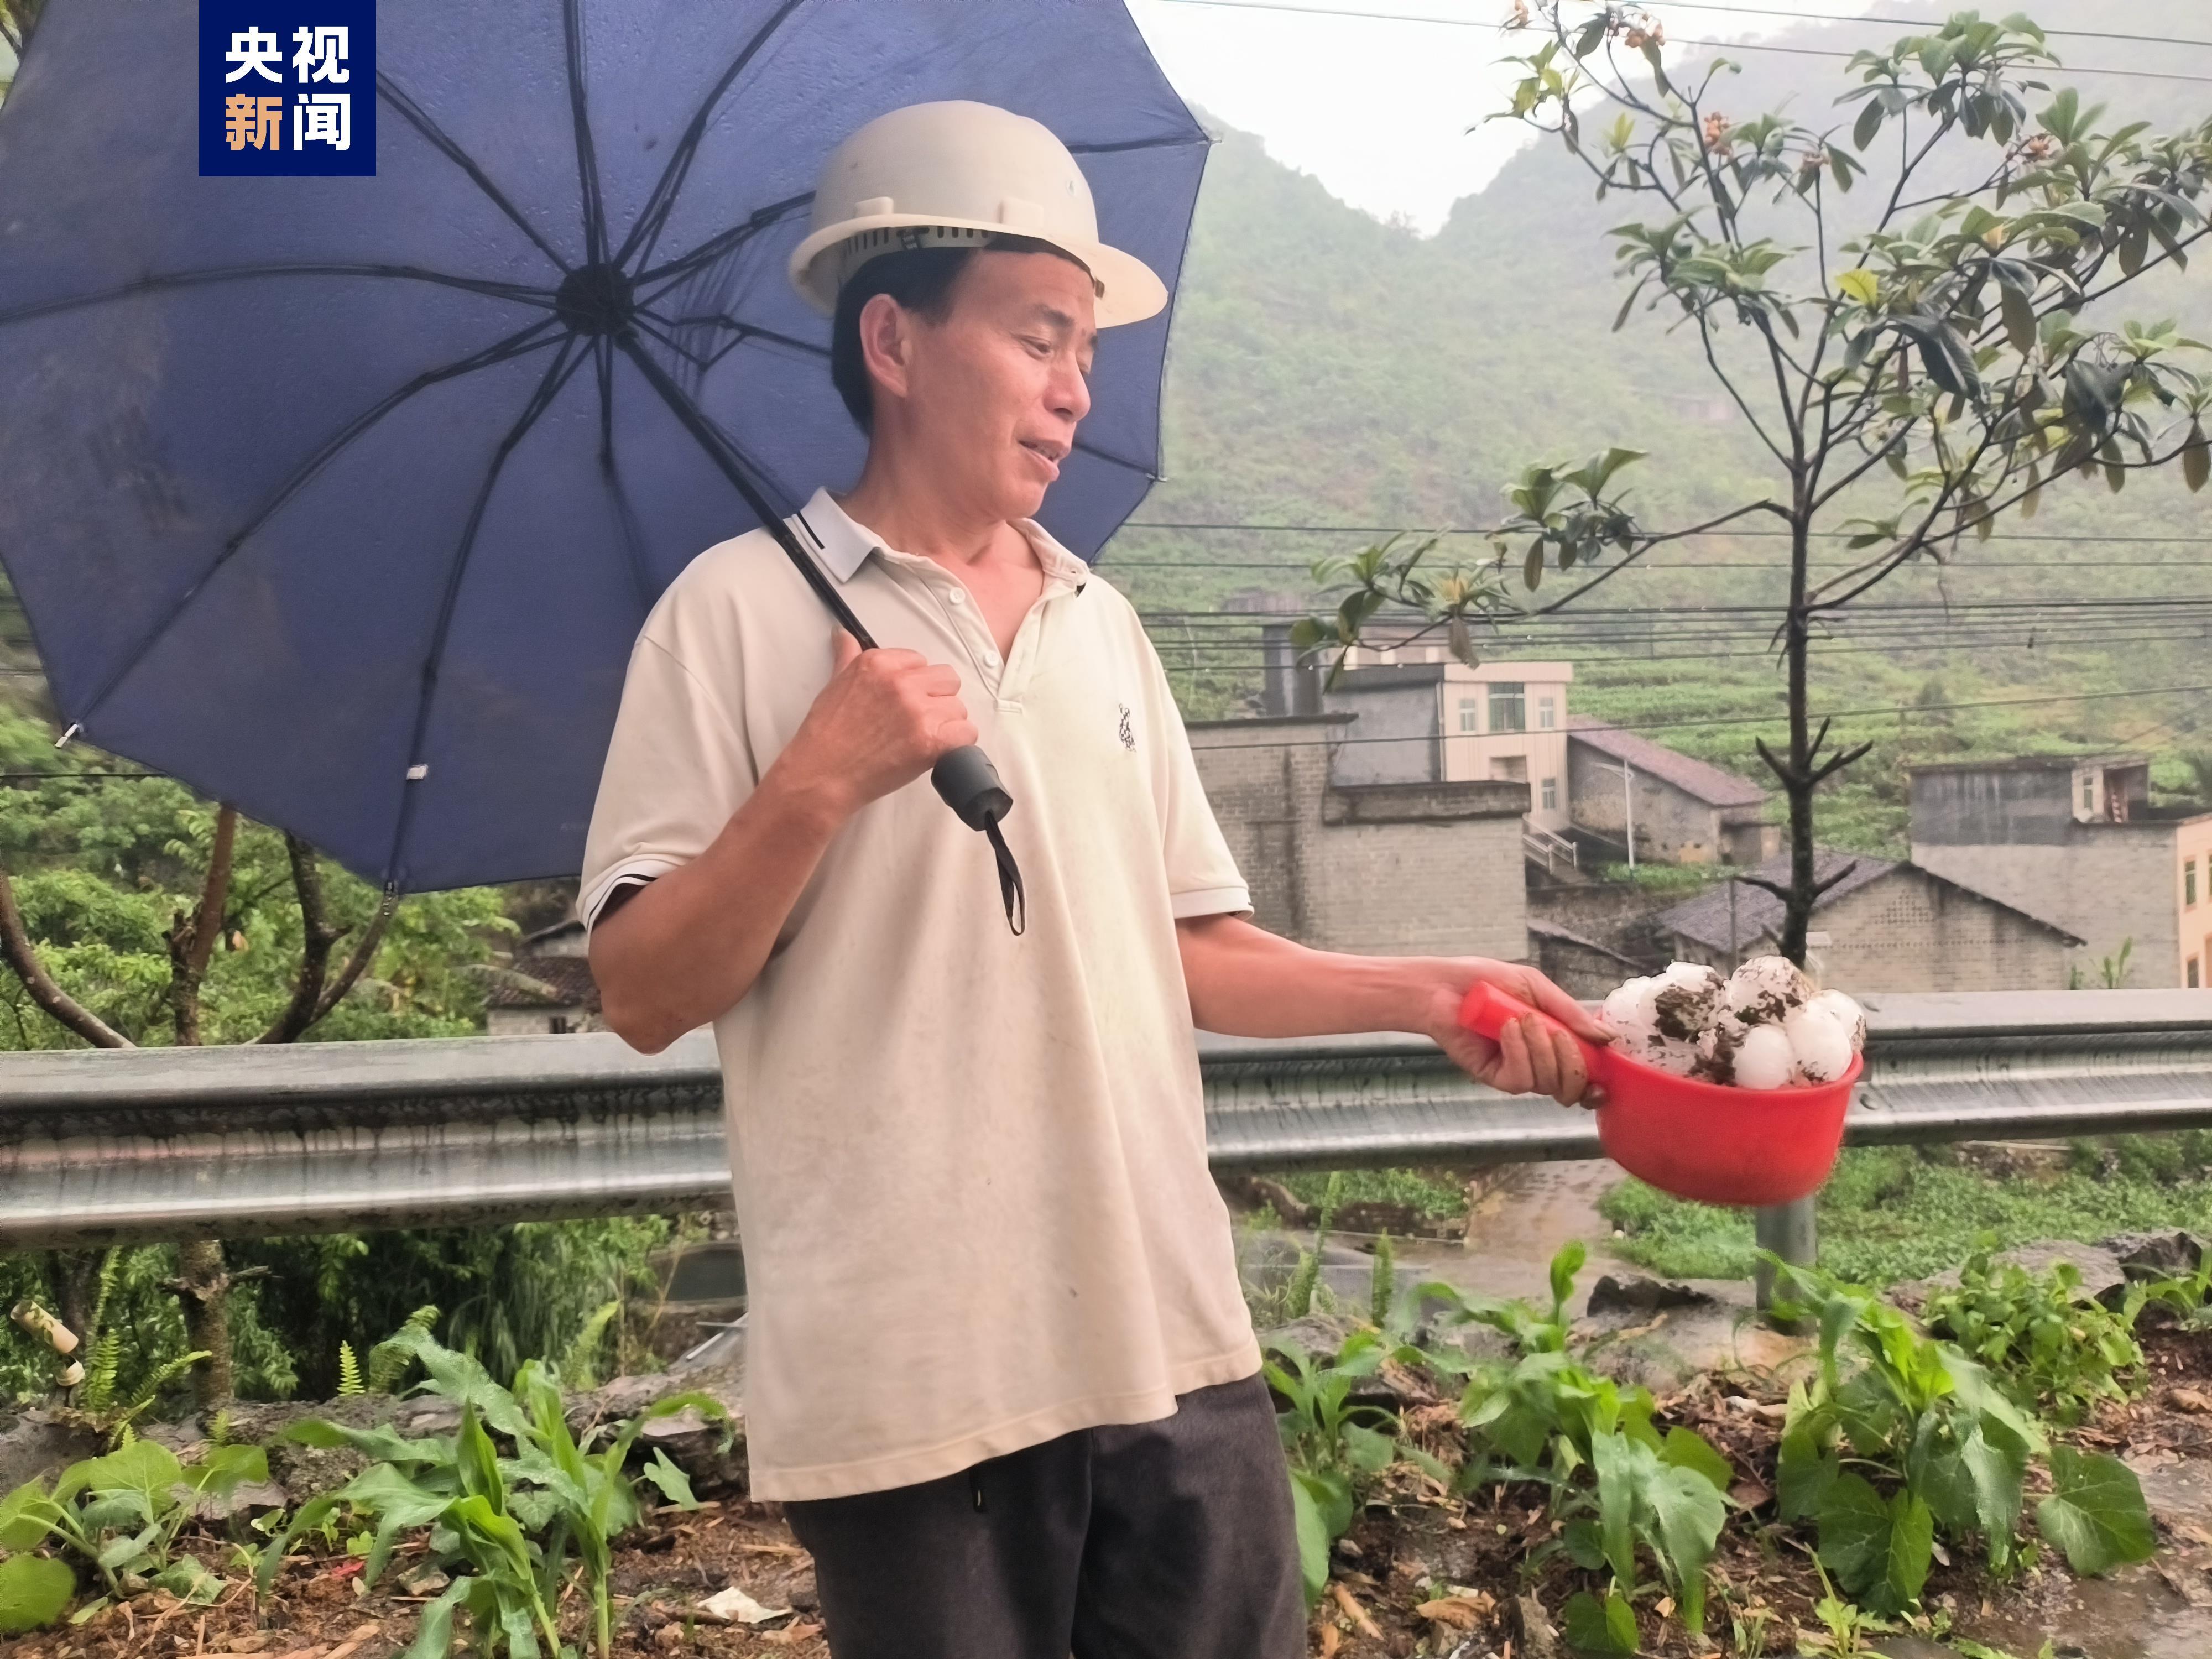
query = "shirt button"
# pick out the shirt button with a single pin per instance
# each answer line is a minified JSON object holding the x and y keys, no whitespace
{"x":990,"y":660}
{"x":958,"y":596}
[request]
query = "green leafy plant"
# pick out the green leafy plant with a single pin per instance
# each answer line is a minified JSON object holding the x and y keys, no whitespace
{"x":1298,"y":1299}
{"x":1382,"y":1283}
{"x":1915,"y":1441}
{"x":1335,"y":1444}
{"x":2184,"y":1295}
{"x":120,"y":1513}
{"x":2056,"y":1349}
{"x":514,"y":1528}
{"x":1616,"y":1484}
{"x":349,"y":1382}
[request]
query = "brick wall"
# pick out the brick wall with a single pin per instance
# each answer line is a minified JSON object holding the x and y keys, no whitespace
{"x":1907,"y":933}
{"x":1434,"y":869}
{"x":2106,"y":882}
{"x":1672,"y":827}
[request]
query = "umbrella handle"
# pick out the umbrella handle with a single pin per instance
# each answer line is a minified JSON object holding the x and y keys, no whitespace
{"x":969,"y":784}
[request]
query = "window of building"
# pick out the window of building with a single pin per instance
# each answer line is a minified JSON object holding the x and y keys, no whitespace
{"x":1547,"y":714}
{"x":1551,"y":794}
{"x":1508,"y":706}
{"x":1467,"y":715}
{"x":2089,"y":794}
{"x":2192,"y":970}
{"x":2189,"y":882}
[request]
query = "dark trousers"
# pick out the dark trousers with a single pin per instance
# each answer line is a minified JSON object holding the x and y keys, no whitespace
{"x":1171,"y":1539}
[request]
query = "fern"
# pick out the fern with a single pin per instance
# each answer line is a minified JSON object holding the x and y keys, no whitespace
{"x":98,"y":1392}
{"x":579,"y":1364}
{"x":387,"y":1365}
{"x":110,"y":1269}
{"x":219,"y":1430}
{"x":151,"y":1391}
{"x":1383,"y":1287}
{"x":349,"y":1383}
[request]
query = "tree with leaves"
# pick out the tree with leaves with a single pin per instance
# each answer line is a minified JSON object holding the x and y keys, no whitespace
{"x":1905,"y":305}
{"x":132,"y":914}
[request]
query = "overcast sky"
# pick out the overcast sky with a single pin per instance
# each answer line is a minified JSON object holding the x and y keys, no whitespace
{"x":1378,"y":111}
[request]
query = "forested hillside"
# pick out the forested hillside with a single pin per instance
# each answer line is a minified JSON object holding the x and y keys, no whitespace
{"x":1327,"y":370}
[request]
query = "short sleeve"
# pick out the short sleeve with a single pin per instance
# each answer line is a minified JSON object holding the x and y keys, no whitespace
{"x":677,"y":769}
{"x":1203,"y":879}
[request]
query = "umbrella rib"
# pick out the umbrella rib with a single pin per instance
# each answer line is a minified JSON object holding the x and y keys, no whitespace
{"x":556,"y":376}
{"x":526,"y":340}
{"x":744,"y":330}
{"x":419,"y":119}
{"x":519,"y":293}
{"x":587,"y":159}
{"x":1116,"y":460}
{"x":655,"y":214}
{"x":723,"y":242}
{"x":1182,"y":140}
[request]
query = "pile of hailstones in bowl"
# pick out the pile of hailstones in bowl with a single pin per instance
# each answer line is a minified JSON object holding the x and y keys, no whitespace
{"x":1765,"y":1026}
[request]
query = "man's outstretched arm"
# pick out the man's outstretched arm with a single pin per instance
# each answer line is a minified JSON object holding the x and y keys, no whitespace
{"x":1246,"y":981}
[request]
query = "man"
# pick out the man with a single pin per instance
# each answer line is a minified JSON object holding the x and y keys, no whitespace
{"x":998,"y":1366}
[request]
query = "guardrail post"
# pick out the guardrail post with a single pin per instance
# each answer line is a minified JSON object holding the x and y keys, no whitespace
{"x":1789,"y":1230}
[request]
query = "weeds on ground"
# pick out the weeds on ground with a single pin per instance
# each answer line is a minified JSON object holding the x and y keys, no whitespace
{"x":2055,"y":1348}
{"x":1894,"y":1214}
{"x":1617,"y":1485}
{"x":119,"y":1515}
{"x":1915,"y":1443}
{"x":504,"y":1526}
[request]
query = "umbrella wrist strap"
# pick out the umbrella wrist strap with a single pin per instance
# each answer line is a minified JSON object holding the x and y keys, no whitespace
{"x":1011,"y":891}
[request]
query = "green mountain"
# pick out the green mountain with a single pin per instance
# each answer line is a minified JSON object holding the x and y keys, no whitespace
{"x":1329,"y":369}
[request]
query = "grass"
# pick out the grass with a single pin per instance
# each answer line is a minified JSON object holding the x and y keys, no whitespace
{"x":1433,"y":1195}
{"x":1893,"y":1213}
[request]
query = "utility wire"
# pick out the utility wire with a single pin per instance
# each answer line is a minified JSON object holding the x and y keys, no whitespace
{"x":1757,"y":720}
{"x":2198,"y":539}
{"x":1726,"y":45}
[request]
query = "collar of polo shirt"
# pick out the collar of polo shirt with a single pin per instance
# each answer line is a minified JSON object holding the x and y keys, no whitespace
{"x":843,"y":543}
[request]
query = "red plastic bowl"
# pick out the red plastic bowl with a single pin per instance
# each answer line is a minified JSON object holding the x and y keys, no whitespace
{"x":1697,"y":1140}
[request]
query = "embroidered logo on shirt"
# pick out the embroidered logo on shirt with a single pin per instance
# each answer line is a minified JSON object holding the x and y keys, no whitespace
{"x":1128,"y":737}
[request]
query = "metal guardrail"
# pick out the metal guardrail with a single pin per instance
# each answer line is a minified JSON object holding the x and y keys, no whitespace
{"x":98,"y":1146}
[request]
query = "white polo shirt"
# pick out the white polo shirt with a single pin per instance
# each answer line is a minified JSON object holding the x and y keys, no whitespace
{"x":970,"y":1168}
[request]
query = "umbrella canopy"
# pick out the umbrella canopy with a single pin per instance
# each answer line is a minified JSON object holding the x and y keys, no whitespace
{"x":343,"y":499}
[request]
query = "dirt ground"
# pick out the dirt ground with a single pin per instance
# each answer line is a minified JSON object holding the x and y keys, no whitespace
{"x":1420,"y":1574}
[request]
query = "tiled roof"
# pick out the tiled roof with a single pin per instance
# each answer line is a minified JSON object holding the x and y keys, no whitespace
{"x":1759,"y":913}
{"x":544,"y":982}
{"x":1712,"y":785}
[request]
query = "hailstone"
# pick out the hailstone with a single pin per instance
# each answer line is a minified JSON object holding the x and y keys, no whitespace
{"x":1765,"y":989}
{"x":1765,"y":1058}
{"x":1687,"y":997}
{"x":1819,"y":1039}
{"x":1630,"y":1012}
{"x":1845,"y":1012}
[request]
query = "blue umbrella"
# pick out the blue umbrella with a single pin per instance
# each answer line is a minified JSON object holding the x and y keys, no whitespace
{"x":342,"y":498}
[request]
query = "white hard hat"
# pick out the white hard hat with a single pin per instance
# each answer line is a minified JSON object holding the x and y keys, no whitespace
{"x":951,"y":174}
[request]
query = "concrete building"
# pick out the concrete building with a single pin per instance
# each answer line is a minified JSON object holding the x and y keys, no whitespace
{"x":1890,"y":926}
{"x":1414,"y":867}
{"x":1427,"y":717}
{"x":2075,"y":838}
{"x":1685,"y":810}
{"x":547,"y":986}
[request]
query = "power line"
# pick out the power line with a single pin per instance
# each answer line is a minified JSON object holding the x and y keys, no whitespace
{"x":1725,"y":45}
{"x":2198,"y":539}
{"x":1769,"y":719}
{"x":1877,"y":20}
